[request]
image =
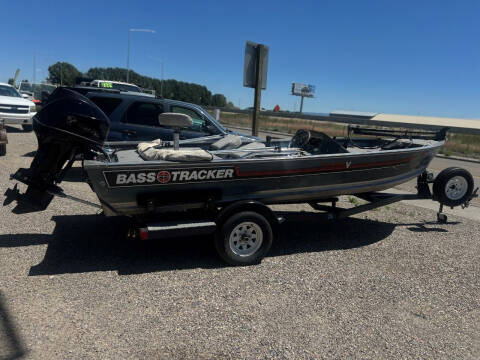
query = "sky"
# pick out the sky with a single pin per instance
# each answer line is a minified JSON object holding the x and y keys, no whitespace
{"x":405,"y":57}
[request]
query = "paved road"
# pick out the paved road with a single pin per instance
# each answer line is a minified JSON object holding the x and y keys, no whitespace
{"x":442,"y":163}
{"x":386,"y":284}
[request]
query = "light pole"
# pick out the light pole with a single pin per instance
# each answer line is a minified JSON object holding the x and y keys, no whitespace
{"x":34,"y":69}
{"x":42,"y":61}
{"x":161,"y":82}
{"x":161,"y":73}
{"x":128,"y":48}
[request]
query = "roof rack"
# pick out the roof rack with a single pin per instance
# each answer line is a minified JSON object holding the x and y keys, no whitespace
{"x":84,"y":89}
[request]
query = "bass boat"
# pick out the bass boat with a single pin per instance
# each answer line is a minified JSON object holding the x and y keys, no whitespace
{"x":224,"y":184}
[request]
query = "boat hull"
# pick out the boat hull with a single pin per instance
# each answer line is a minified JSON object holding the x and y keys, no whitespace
{"x":139,"y":188}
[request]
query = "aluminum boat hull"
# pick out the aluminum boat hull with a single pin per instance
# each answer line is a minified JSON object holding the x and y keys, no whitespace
{"x":123,"y":189}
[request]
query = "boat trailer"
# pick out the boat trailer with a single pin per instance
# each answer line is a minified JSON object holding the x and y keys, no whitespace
{"x":379,"y":199}
{"x":375,"y":200}
{"x":243,"y":226}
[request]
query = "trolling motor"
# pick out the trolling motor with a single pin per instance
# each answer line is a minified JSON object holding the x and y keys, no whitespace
{"x":69,"y":124}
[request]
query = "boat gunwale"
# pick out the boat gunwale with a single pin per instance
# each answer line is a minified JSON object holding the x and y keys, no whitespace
{"x":95,"y":164}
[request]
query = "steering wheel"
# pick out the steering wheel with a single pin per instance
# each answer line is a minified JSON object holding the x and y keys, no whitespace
{"x":300,"y":139}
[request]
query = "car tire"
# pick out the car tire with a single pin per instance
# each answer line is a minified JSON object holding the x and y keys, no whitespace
{"x":453,"y":186}
{"x":244,"y":238}
{"x":27,"y":128}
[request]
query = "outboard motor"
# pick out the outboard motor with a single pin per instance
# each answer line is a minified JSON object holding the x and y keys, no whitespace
{"x":68,"y":125}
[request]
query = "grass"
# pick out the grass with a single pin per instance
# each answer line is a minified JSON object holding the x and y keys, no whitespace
{"x":353,"y":200}
{"x":287,"y":125}
{"x":457,"y":144}
{"x":462,"y":144}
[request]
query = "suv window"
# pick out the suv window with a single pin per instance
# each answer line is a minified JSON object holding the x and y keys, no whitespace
{"x":199,"y":124}
{"x":108,"y":105}
{"x":143,"y":113}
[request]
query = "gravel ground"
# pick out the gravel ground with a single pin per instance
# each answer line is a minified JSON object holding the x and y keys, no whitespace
{"x":389,"y":283}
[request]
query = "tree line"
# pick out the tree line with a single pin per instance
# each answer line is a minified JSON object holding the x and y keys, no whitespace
{"x":67,"y":74}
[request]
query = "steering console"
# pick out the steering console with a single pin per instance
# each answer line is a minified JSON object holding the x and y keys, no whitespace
{"x":300,"y":139}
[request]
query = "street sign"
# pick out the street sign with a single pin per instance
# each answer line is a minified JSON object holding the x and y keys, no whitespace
{"x":250,"y":65}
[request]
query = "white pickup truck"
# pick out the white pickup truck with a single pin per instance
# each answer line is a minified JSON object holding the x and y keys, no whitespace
{"x":14,"y":109}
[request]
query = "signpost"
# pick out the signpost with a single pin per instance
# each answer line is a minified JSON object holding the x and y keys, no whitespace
{"x":303,"y":90}
{"x":255,"y":75}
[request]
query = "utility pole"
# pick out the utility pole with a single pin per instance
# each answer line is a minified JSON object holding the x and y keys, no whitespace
{"x":160,"y":60}
{"x":161,"y":82}
{"x":128,"y":47}
{"x":128,"y":57}
{"x":258,"y":89}
{"x":34,"y":69}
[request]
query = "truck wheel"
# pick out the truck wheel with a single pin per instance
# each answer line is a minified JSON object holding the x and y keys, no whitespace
{"x":3,"y":149}
{"x":453,"y":186}
{"x":244,"y":238}
{"x":27,"y":128}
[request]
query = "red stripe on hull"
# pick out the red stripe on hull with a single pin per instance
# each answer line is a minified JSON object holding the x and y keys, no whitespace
{"x":326,"y":168}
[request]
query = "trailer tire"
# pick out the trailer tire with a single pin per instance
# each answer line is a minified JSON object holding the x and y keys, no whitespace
{"x":453,"y":186}
{"x":27,"y":128}
{"x":3,"y":149}
{"x":244,"y":238}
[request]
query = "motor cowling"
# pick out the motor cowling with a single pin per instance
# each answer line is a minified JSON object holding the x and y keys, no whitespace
{"x":68,"y":125}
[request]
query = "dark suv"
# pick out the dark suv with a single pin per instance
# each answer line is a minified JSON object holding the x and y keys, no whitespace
{"x":135,"y":117}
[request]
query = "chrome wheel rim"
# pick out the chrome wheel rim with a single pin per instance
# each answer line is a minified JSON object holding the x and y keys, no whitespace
{"x":246,"y":238}
{"x":456,"y":188}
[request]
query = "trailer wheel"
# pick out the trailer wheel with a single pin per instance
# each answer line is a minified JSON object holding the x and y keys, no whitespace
{"x":27,"y":128}
{"x":244,"y":238}
{"x":453,"y":186}
{"x":3,"y":149}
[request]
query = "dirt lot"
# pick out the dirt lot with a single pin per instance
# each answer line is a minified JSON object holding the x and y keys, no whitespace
{"x":385,"y":284}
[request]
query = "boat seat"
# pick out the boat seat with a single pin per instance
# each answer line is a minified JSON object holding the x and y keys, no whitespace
{"x":243,"y":153}
{"x":175,"y":120}
{"x":252,"y":146}
{"x":150,"y":152}
{"x":321,"y":143}
{"x":227,"y":142}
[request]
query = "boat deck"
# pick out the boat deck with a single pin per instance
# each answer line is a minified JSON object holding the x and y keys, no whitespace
{"x":131,"y":156}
